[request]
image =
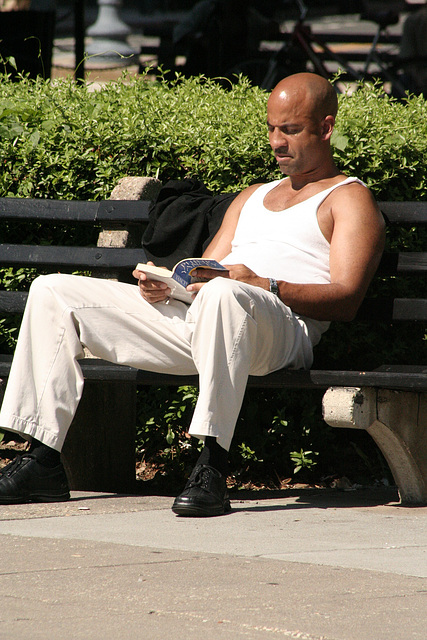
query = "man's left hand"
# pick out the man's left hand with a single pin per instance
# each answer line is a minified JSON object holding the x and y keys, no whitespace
{"x":235,"y":271}
{"x":242,"y":273}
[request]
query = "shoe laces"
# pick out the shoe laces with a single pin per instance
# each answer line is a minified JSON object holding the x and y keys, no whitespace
{"x":201,"y":477}
{"x":10,"y":468}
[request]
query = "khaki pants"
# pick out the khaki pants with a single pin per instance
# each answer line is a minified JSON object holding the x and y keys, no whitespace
{"x":230,"y":331}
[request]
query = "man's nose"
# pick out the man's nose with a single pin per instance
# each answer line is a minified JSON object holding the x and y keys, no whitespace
{"x":278,"y":140}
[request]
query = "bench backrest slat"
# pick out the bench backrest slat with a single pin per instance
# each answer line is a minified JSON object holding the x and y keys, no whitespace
{"x":12,"y":301}
{"x":409,"y":309}
{"x":58,"y":258}
{"x":405,"y":212}
{"x":403,"y":263}
{"x":74,"y":210}
{"x":137,"y":210}
{"x":412,"y":262}
{"x":94,"y":257}
{"x":393,"y":309}
{"x":399,"y":309}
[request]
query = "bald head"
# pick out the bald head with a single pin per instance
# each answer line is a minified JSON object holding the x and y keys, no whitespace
{"x":310,"y":91}
{"x":300,"y":117}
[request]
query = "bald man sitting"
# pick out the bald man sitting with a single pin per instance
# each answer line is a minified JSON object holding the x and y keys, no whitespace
{"x":300,"y":252}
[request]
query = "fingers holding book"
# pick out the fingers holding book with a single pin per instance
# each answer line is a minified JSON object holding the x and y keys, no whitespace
{"x":151,"y":290}
{"x":176,"y":281}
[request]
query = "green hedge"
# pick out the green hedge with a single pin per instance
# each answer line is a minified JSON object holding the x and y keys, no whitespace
{"x":64,"y":140}
{"x":61,"y":140}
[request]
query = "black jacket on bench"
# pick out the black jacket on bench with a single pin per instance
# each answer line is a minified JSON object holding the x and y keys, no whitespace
{"x":182,"y":221}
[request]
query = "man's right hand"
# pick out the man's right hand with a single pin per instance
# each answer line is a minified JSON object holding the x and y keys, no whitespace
{"x":151,"y":290}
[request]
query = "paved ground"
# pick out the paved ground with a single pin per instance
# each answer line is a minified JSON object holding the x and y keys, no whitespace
{"x":308,"y":564}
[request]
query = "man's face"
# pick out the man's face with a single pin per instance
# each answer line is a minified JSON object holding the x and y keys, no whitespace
{"x":295,"y":135}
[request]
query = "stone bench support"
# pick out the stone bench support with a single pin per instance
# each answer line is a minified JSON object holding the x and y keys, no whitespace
{"x":397,"y":421}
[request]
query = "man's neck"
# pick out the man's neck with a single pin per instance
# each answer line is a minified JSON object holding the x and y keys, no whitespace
{"x":299,"y":181}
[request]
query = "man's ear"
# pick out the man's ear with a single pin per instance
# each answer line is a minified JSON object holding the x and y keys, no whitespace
{"x":327,"y":126}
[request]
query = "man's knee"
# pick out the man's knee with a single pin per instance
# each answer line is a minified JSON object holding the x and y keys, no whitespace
{"x":51,"y":281}
{"x":50,"y":290}
{"x":223,"y":287}
{"x":224,"y":292}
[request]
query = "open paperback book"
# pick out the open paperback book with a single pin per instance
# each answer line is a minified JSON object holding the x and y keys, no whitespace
{"x":180,"y":276}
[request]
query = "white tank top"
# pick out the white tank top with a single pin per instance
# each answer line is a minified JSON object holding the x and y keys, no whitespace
{"x":286,"y":245}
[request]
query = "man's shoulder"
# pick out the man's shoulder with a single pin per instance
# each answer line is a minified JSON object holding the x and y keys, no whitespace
{"x":338,"y":189}
{"x":343,"y":180}
{"x":269,"y":183}
{"x":354,"y":198}
{"x":349,"y":186}
{"x":248,"y":191}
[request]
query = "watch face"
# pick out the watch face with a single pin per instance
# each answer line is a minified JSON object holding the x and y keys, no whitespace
{"x":274,"y":286}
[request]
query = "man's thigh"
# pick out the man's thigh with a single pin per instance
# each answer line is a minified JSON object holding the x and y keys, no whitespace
{"x":115,"y":323}
{"x":281,"y":340}
{"x":254,"y":319}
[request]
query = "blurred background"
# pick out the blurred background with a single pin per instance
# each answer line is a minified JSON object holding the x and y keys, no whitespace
{"x":98,"y":38}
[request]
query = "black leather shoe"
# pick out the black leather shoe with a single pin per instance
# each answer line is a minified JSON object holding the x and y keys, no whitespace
{"x":205,"y":494}
{"x":26,"y":480}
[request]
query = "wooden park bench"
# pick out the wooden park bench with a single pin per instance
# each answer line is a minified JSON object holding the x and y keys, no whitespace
{"x":99,"y":453}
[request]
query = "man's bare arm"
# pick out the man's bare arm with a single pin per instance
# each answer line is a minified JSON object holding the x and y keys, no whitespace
{"x":357,"y":243}
{"x":220,"y":246}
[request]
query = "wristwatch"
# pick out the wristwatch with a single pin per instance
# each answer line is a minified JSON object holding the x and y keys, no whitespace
{"x":274,"y":287}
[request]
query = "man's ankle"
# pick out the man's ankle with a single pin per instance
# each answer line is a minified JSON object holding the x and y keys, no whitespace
{"x":214,"y":455}
{"x":45,"y":455}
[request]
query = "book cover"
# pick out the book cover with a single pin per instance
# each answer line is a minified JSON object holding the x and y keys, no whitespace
{"x":180,"y":276}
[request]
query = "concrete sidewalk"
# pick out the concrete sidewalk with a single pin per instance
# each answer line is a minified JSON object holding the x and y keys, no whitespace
{"x":306,"y":564}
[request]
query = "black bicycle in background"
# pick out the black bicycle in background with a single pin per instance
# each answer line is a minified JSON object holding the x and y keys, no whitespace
{"x":303,"y":50}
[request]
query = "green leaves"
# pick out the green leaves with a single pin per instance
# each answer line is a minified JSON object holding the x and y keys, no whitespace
{"x":70,"y":142}
{"x":339,"y":141}
{"x":163,"y":421}
{"x":383,"y":142}
{"x":303,"y":459}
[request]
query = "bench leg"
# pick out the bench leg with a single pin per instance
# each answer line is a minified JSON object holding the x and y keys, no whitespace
{"x":397,"y":421}
{"x":99,"y":451}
